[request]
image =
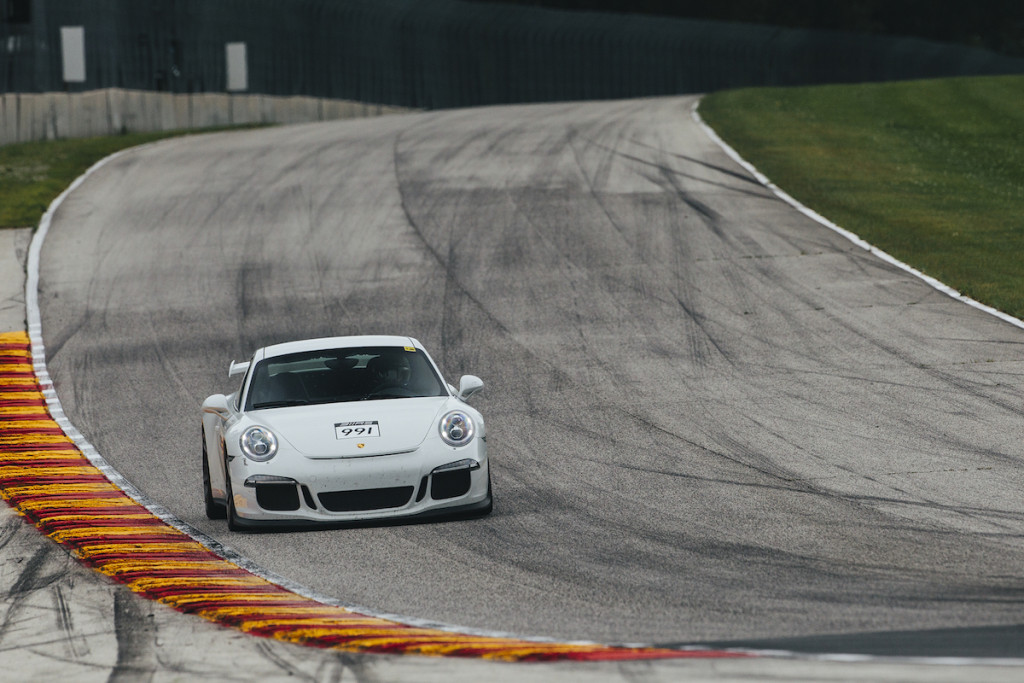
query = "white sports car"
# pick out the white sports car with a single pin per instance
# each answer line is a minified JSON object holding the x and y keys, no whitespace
{"x":343,"y":429}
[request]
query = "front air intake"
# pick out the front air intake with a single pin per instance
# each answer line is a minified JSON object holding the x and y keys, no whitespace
{"x":277,"y":497}
{"x":366,"y":499}
{"x":451,"y":484}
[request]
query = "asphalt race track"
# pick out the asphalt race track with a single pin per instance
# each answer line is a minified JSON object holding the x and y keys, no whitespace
{"x":711,"y":419}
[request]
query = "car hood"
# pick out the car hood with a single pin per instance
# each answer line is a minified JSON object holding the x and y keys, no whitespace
{"x":332,"y":430}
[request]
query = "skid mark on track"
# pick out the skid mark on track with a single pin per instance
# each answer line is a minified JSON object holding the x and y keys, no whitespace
{"x":136,"y":658}
{"x":47,"y":479}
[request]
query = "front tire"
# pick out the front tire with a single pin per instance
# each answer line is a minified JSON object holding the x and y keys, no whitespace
{"x":214,"y":509}
{"x":490,"y":498}
{"x":484,"y":511}
{"x":233,"y":524}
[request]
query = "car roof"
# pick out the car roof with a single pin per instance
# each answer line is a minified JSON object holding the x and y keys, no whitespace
{"x":338,"y":343}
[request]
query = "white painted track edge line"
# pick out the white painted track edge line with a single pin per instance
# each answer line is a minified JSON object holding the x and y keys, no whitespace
{"x":855,"y":239}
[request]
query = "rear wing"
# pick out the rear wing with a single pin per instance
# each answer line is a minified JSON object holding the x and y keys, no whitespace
{"x":237,"y":368}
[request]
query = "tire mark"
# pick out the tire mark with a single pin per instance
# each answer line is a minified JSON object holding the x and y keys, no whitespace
{"x":76,"y":643}
{"x":136,"y":646}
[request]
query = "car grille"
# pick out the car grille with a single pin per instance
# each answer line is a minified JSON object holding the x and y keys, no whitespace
{"x":366,"y":499}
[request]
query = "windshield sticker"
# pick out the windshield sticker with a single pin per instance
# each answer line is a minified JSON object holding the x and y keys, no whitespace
{"x":411,"y":348}
{"x":355,"y":430}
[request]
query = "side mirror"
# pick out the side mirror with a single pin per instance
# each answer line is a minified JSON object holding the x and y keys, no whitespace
{"x":469,"y":385}
{"x":237,"y":368}
{"x":216,"y":404}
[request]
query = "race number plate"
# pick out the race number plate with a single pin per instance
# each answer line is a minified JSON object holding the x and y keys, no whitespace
{"x":356,"y":430}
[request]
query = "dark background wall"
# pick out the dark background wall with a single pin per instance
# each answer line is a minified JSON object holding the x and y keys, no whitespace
{"x":446,"y":53}
{"x":996,"y":25}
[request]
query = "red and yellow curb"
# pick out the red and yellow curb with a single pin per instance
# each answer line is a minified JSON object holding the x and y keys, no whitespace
{"x":47,"y":479}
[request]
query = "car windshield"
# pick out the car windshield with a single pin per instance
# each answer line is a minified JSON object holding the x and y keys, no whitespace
{"x":340,"y":375}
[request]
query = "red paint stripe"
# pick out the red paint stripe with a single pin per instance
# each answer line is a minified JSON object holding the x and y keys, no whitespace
{"x":44,"y":462}
{"x":21,"y":447}
{"x":19,"y":454}
{"x":202,"y":604}
{"x":137,"y":539}
{"x":169,"y":594}
{"x":46,"y":517}
{"x":92,"y":550}
{"x":43,"y":480}
{"x":77,"y":495}
{"x":66,"y":524}
{"x":129,"y":576}
{"x":100,"y":561}
{"x":111,"y":509}
{"x":256,"y":615}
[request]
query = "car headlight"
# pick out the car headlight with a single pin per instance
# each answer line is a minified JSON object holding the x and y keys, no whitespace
{"x":258,"y":443}
{"x":457,"y":428}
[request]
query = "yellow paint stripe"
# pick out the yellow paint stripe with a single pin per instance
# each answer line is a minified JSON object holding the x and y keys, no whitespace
{"x":33,"y":439}
{"x":257,"y":599}
{"x":90,"y":551}
{"x":22,"y":410}
{"x":397,"y":635}
{"x":15,"y":367}
{"x":340,"y":625}
{"x":17,"y":382}
{"x":66,"y":471}
{"x":37,"y":456}
{"x":21,"y":395}
{"x":64,"y":535}
{"x":69,"y":451}
{"x":52,"y":519}
{"x":29,"y":424}
{"x":81,"y":503}
{"x":55,"y":491}
{"x":239,"y":580}
{"x":127,"y":566}
{"x":441,"y":642}
{"x":497,"y":650}
{"x":315,"y":611}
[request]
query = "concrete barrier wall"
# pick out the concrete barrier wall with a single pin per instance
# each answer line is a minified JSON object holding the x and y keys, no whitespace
{"x":49,"y":116}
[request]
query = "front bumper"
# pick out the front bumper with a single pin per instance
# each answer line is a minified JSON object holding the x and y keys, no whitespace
{"x":292,"y":490}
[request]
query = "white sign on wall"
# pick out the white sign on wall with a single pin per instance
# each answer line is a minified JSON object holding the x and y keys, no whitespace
{"x":238,"y":69}
{"x":72,"y":49}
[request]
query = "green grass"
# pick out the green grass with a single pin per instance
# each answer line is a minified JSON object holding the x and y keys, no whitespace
{"x":930,"y":171}
{"x":32,"y":174}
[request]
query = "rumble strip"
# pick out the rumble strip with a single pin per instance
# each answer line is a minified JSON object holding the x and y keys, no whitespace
{"x":48,"y":480}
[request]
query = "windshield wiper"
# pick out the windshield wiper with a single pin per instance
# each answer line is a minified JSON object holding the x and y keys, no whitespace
{"x":383,"y":395}
{"x":281,"y":404}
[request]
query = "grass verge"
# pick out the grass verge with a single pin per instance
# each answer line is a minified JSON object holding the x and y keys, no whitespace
{"x":32,"y":174}
{"x":930,"y":171}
